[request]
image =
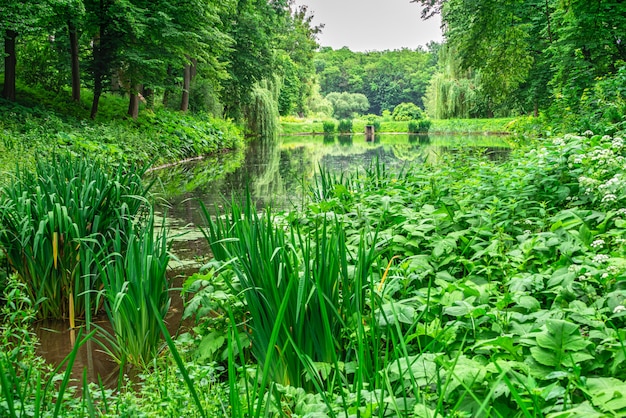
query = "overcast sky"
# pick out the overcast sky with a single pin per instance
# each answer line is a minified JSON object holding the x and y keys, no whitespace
{"x":372,"y":25}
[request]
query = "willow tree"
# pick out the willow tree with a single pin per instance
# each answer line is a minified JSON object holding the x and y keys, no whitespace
{"x":262,"y":110}
{"x":452,"y":92}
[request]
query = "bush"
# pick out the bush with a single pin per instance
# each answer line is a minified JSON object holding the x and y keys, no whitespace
{"x":328,"y":126}
{"x":406,"y":112}
{"x":419,"y":126}
{"x":345,"y":126}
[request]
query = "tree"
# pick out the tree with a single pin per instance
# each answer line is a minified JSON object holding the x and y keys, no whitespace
{"x":253,"y":25}
{"x":386,"y":78}
{"x":18,"y":18}
{"x":297,"y":45}
{"x":346,"y":104}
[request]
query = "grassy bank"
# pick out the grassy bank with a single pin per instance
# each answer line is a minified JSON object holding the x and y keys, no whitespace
{"x":464,"y":126}
{"x":42,"y":124}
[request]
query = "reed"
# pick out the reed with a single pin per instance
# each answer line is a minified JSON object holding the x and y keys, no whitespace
{"x":52,"y":220}
{"x":301,"y":293}
{"x":134,"y":279}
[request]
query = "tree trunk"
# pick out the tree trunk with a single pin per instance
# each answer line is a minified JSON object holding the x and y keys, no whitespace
{"x":536,"y":112}
{"x":10,"y":62}
{"x":148,"y":94}
{"x":98,"y":78}
{"x":75,"y":61}
{"x":193,"y":70}
{"x":97,"y":92}
{"x":168,"y":89}
{"x":133,"y":105}
{"x":184,"y":104}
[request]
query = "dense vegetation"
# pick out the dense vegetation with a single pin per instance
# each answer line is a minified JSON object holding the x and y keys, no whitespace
{"x":468,"y":286}
{"x":386,"y":78}
{"x":530,"y":56}
{"x":204,"y":55}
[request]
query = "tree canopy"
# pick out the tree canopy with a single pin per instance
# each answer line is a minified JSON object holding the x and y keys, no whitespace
{"x":524,"y":54}
{"x":215,"y":50}
{"x":386,"y":78}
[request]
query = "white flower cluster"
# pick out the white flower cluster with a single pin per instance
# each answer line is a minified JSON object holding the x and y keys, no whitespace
{"x":572,"y":137}
{"x":619,"y":308}
{"x":588,"y":133}
{"x":609,"y":197}
{"x":600,"y":258}
{"x":597,"y":243}
{"x":618,"y":143}
{"x":587,"y":183}
{"x":559,"y":142}
{"x":603,"y":156}
{"x":574,"y":268}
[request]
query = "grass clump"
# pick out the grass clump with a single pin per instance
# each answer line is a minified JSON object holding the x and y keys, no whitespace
{"x":54,"y":218}
{"x":328,"y":126}
{"x":134,"y":278}
{"x":345,"y":126}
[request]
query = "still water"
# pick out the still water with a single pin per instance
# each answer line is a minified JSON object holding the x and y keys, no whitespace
{"x":275,"y":174}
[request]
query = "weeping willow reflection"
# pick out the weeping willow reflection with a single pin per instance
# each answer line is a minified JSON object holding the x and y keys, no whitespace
{"x":266,"y":183}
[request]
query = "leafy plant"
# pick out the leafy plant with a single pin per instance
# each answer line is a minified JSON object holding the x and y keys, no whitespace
{"x":344,"y":126}
{"x":53,"y":218}
{"x":328,"y":126}
{"x":134,"y":278}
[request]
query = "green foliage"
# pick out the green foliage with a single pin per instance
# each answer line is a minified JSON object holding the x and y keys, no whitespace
{"x":29,"y":133}
{"x":602,"y":107}
{"x":346,"y":105}
{"x":262,"y":113}
{"x":52,"y":220}
{"x":132,"y":269}
{"x":328,"y":126}
{"x":407,"y":112}
{"x":386,"y":78}
{"x":345,"y":126}
{"x":419,"y":126}
{"x":520,"y":56}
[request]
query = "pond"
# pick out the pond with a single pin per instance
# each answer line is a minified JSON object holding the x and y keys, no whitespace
{"x":275,"y":174}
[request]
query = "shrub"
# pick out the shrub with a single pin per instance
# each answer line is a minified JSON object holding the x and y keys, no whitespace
{"x":328,"y":126}
{"x":419,"y":126}
{"x":345,"y":126}
{"x":406,"y":112}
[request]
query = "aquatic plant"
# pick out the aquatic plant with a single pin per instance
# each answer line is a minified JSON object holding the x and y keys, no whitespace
{"x":54,"y":217}
{"x":136,"y":291}
{"x":345,"y":126}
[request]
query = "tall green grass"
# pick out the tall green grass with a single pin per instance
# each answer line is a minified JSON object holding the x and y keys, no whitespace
{"x":55,"y":217}
{"x":134,"y":280}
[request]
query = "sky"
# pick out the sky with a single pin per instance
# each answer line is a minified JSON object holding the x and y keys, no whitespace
{"x":372,"y":25}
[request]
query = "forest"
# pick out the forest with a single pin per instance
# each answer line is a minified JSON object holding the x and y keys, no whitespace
{"x":437,"y":276}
